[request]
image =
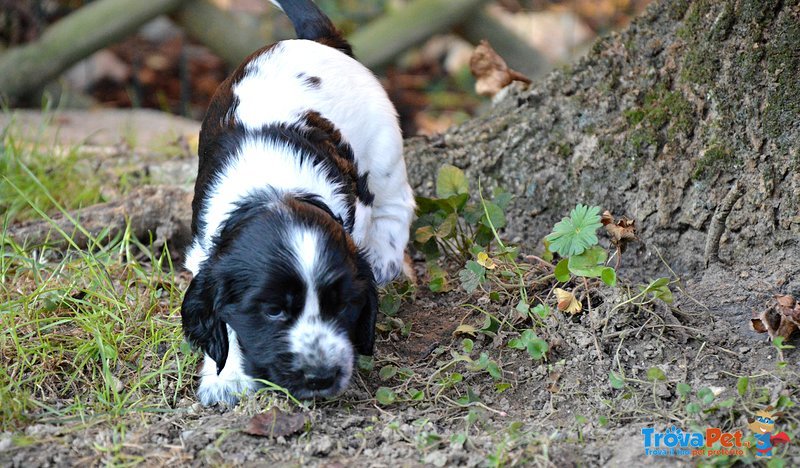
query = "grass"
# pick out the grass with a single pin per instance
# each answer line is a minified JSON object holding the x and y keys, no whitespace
{"x":63,"y":173}
{"x":87,"y":335}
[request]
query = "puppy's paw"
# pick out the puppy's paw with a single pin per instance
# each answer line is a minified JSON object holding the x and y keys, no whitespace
{"x":387,"y":260}
{"x":227,"y":387}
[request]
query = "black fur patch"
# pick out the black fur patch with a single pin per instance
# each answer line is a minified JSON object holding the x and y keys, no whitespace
{"x":362,"y":190}
{"x":313,"y":82}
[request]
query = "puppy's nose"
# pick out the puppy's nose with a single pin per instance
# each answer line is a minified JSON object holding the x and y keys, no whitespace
{"x":320,"y":379}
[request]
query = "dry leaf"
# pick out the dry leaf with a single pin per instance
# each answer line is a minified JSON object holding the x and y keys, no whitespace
{"x":485,"y":261}
{"x":781,"y":319}
{"x":567,"y":301}
{"x":553,"y":379}
{"x":275,"y":423}
{"x":620,"y":231}
{"x":491,"y":71}
{"x":465,"y":329}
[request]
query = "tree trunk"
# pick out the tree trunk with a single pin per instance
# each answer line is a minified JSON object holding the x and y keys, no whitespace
{"x":689,"y":122}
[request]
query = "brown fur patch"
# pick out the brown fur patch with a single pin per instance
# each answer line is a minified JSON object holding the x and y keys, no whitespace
{"x":317,"y":217}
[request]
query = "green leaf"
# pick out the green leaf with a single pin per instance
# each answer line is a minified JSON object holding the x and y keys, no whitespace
{"x":705,"y":395}
{"x":451,"y":181}
{"x":693,"y":408}
{"x":616,"y":380}
{"x":472,"y":213}
{"x":387,"y":372}
{"x":684,"y":389}
{"x":447,"y":227}
{"x":523,"y":308}
{"x":562,"y":271}
{"x":741,"y":385}
{"x":390,"y":304}
{"x":470,"y":397}
{"x":573,"y":235}
{"x":537,"y":348}
{"x":453,"y":204}
{"x":365,"y":363}
{"x":469,"y":279}
{"x":385,"y":396}
{"x":542,"y":311}
{"x":467,"y":345}
{"x":588,"y":264}
{"x":609,"y":276}
{"x":654,"y":373}
{"x":496,"y":216}
{"x":603,"y":421}
{"x":494,"y":370}
{"x":426,"y":205}
{"x":438,"y":278}
{"x":502,"y":198}
{"x":727,"y":403}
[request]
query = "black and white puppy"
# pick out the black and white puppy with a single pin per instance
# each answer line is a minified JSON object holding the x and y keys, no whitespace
{"x":301,"y":206}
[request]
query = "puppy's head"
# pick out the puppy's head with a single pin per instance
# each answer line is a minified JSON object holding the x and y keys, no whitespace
{"x":295,"y":289}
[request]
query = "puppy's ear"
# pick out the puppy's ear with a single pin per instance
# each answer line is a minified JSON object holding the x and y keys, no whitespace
{"x":202,"y":325}
{"x":364,"y":337}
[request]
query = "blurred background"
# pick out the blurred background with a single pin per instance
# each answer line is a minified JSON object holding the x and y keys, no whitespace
{"x":420,"y":49}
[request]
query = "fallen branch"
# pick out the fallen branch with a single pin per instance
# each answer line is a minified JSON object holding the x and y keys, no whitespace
{"x":90,"y":28}
{"x":375,"y":44}
{"x":159,"y":213}
{"x":220,"y":31}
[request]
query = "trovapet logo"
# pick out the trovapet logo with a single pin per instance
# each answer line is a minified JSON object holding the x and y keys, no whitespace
{"x":763,"y":427}
{"x":675,"y":442}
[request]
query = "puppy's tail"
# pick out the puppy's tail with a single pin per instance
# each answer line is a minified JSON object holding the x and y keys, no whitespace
{"x":311,"y":23}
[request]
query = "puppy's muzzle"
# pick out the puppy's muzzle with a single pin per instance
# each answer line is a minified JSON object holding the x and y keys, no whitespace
{"x":322,"y":379}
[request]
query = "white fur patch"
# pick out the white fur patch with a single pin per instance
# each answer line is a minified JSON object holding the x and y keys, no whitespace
{"x":231,"y":383}
{"x":273,"y":90}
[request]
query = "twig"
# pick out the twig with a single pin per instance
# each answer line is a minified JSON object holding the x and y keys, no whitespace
{"x":717,"y":226}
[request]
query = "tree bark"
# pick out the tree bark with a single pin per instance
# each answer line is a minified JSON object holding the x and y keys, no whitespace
{"x":689,"y":122}
{"x":87,"y":30}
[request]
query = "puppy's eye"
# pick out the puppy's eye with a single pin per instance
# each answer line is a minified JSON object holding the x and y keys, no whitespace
{"x":272,"y":312}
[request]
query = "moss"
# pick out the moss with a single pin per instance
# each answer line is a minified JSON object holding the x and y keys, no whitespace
{"x":564,"y":150}
{"x":716,"y":157}
{"x":782,"y":64}
{"x":724,"y":23}
{"x":759,"y":11}
{"x":661,"y":107}
{"x":677,"y":9}
{"x":634,"y":116}
{"x":681,"y":113}
{"x":700,"y":66}
{"x":641,"y":138}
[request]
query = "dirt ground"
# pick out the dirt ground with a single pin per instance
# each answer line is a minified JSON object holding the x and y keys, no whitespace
{"x":558,"y":412}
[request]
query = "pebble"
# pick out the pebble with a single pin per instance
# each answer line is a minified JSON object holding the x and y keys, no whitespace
{"x":437,"y":458}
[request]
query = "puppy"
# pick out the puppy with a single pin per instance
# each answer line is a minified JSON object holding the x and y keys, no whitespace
{"x":301,"y":206}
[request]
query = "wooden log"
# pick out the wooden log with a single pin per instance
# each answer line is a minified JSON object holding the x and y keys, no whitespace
{"x":159,"y":212}
{"x":379,"y":42}
{"x":27,"y":68}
